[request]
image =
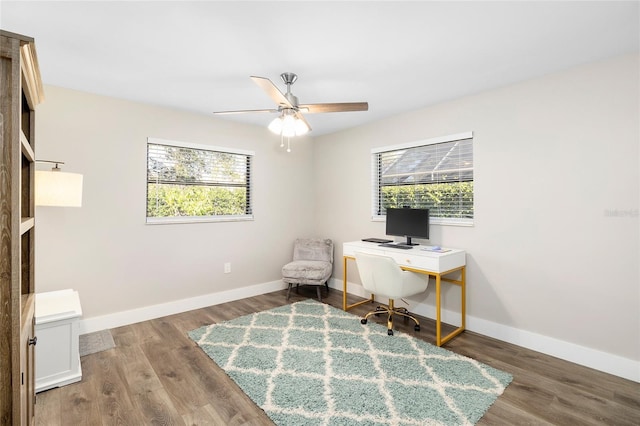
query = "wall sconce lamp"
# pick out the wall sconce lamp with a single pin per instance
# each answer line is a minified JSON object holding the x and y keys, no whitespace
{"x":57,"y":188}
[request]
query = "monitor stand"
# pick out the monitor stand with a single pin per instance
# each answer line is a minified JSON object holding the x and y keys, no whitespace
{"x":408,"y":243}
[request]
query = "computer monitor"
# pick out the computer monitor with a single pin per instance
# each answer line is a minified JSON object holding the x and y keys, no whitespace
{"x":409,"y":223}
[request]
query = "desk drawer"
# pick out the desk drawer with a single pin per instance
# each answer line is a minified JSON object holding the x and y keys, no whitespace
{"x":420,"y":262}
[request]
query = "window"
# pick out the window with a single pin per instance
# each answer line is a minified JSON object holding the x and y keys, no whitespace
{"x":435,"y":174}
{"x":197,"y":183}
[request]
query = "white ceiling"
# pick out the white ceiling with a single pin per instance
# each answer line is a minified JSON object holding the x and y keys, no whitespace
{"x":398,"y":56}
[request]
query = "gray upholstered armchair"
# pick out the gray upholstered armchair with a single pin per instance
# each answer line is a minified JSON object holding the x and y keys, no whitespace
{"x":312,"y":264}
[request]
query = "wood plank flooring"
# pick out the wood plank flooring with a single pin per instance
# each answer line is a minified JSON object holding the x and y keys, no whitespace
{"x":157,"y":376}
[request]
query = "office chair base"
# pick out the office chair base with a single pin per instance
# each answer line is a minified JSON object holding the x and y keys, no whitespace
{"x":390,"y":311}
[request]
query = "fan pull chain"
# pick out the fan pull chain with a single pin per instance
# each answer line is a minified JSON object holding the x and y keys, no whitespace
{"x":288,"y":142}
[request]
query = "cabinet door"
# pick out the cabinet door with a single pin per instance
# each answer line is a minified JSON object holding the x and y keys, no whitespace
{"x":27,"y":363}
{"x":24,"y":379}
{"x":29,"y":98}
{"x":21,"y":92}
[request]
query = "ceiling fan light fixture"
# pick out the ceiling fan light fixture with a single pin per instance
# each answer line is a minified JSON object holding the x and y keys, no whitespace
{"x":301,"y":127}
{"x":288,"y":125}
{"x":276,"y":125}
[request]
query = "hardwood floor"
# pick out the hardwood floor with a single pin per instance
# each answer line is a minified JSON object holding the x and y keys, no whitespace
{"x":157,"y":375}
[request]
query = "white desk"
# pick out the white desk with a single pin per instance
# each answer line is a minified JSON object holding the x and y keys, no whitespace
{"x":425,"y":262}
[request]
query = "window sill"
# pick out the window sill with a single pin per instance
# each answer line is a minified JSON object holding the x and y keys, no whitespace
{"x":194,"y":219}
{"x":435,"y":221}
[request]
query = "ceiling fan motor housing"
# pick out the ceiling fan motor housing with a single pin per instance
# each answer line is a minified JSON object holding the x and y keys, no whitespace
{"x":289,"y":78}
{"x":293,"y":100}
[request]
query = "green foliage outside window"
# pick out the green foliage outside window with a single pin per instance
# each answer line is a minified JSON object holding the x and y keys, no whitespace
{"x":192,"y":182}
{"x":447,"y":200}
{"x":183,"y":200}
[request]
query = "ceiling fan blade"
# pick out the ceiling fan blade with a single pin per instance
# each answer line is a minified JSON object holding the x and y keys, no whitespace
{"x":272,"y":91}
{"x":243,"y":111}
{"x":335,"y":107}
{"x":301,"y":118}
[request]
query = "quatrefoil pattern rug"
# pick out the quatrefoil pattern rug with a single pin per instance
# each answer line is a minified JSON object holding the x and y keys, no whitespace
{"x":311,"y":364}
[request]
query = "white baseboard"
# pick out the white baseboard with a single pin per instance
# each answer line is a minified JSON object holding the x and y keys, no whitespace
{"x":588,"y":357}
{"x":592,"y":358}
{"x":50,"y":383}
{"x":132,"y":316}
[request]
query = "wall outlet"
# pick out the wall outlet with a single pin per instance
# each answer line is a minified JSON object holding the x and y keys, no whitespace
{"x":227,"y":268}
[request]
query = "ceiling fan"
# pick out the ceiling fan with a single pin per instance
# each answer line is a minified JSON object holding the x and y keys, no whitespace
{"x":291,"y":122}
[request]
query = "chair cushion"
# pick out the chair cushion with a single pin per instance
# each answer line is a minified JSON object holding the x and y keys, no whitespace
{"x":312,"y":272}
{"x":313,"y":249}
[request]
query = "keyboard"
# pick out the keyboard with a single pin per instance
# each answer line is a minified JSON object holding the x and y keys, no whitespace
{"x":403,"y":247}
{"x":377,"y":240}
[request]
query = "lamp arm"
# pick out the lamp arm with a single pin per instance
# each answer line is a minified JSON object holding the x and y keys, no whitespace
{"x":55,"y":168}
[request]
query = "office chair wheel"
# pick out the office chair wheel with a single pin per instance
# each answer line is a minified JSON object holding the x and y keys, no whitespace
{"x":390,"y":332}
{"x":416,"y":327}
{"x":363,"y":321}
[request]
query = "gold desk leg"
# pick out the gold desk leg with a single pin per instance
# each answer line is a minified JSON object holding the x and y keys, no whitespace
{"x":438,"y":308}
{"x":344,"y":283}
{"x":463,"y":291}
{"x":463,"y":308}
{"x":346,"y":307}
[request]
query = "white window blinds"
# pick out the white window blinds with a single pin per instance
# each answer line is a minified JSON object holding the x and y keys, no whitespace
{"x":187,"y":182}
{"x":436,"y":174}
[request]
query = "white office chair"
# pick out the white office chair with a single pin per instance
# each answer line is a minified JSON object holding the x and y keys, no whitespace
{"x":382,"y":276}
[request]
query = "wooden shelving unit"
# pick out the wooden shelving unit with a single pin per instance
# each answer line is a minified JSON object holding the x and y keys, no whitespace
{"x":21,"y":92}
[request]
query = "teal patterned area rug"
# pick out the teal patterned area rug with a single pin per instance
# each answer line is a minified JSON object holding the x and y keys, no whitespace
{"x":309,"y":363}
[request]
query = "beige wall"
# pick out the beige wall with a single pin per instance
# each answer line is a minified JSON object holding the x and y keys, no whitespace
{"x":106,"y":251}
{"x":554,"y":157}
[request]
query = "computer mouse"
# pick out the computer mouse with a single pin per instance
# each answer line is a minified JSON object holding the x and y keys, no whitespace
{"x":436,"y":248}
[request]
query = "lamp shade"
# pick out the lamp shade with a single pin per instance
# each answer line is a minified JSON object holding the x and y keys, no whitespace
{"x":301,"y":127}
{"x":56,"y":188}
{"x":288,"y":125}
{"x":276,"y":125}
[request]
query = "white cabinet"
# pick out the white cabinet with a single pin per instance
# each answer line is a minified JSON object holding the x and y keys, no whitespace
{"x":57,"y":329}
